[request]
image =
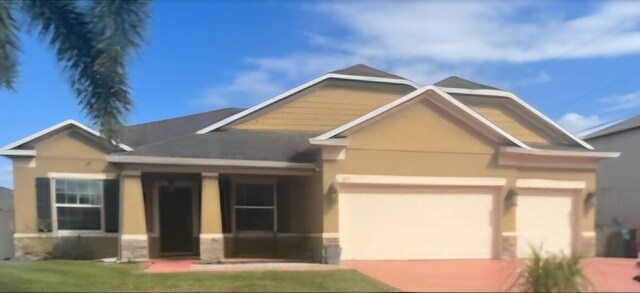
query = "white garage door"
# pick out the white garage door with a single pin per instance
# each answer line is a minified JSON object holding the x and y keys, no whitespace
{"x":401,"y":223}
{"x":544,"y":220}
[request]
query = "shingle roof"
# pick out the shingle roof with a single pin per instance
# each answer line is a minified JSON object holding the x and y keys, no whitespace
{"x":364,"y":70}
{"x":233,"y":144}
{"x":631,"y":123}
{"x":146,"y":133}
{"x":461,"y":83}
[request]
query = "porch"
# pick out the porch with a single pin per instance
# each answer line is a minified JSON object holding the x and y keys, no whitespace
{"x":218,"y":216}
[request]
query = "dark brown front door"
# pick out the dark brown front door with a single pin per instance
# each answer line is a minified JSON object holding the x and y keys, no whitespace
{"x":176,"y":220}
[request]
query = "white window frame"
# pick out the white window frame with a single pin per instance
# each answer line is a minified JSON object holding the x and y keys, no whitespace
{"x":258,"y":181}
{"x":54,"y":205}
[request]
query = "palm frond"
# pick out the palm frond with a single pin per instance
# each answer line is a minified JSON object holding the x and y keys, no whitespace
{"x":8,"y":46}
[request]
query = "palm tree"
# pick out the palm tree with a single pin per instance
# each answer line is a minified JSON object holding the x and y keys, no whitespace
{"x":92,"y":41}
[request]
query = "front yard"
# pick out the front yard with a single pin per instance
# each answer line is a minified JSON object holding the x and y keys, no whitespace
{"x":95,"y":276}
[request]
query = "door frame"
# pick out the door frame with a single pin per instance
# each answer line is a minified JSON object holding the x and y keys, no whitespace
{"x":195,"y":213}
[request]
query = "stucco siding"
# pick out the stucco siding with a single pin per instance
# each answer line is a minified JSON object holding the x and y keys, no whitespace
{"x":422,"y":139}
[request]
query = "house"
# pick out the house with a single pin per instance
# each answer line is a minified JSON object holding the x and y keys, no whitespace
{"x":355,"y":164}
{"x":6,"y":223}
{"x":618,"y":184}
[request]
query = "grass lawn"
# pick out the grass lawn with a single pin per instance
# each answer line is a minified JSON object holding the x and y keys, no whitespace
{"x":96,"y":276}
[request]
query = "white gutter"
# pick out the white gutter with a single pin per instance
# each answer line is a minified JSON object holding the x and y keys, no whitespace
{"x":18,"y":153}
{"x":560,"y":153}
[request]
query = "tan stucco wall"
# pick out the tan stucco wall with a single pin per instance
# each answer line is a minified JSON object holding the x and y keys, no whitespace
{"x":420,"y":139}
{"x":324,"y":106}
{"x":66,"y":152}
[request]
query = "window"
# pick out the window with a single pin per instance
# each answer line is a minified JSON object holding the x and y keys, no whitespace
{"x":255,"y":207}
{"x":78,"y":204}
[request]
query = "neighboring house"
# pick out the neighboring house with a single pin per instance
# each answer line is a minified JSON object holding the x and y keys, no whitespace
{"x":6,"y":223}
{"x":618,"y":183}
{"x":356,"y":164}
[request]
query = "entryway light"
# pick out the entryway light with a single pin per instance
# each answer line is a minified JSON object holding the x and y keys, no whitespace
{"x":511,"y":199}
{"x":590,"y":200}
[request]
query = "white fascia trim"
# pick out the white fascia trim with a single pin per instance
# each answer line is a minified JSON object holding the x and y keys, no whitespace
{"x":330,"y":142}
{"x":56,"y":127}
{"x":207,"y":162}
{"x":560,"y":153}
{"x":297,"y":89}
{"x":550,"y":184}
{"x":409,"y":97}
{"x":521,"y":102}
{"x":97,"y":176}
{"x":18,"y":153}
{"x":420,"y":180}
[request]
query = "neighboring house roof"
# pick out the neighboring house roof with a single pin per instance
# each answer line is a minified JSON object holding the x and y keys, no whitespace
{"x":146,"y":133}
{"x":631,"y":123}
{"x":349,"y":76}
{"x":364,"y":70}
{"x":15,"y":149}
{"x":231,"y":144}
{"x":461,"y":83}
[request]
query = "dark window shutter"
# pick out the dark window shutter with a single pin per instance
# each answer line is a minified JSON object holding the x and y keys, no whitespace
{"x":43,"y":204}
{"x":111,"y":205}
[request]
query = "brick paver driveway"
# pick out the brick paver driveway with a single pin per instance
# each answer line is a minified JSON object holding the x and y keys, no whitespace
{"x":613,"y":275}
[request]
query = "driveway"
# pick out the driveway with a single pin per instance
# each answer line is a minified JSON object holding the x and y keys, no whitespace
{"x":607,"y":274}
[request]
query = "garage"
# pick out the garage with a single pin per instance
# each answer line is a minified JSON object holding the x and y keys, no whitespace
{"x":544,"y":218}
{"x":386,"y":222}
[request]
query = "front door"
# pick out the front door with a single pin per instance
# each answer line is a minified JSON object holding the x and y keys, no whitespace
{"x":176,"y":220}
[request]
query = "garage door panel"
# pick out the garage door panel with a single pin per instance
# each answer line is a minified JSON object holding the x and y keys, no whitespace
{"x":544,"y":221}
{"x":415,"y":225}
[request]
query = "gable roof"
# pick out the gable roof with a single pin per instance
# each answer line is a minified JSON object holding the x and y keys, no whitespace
{"x":358,"y":69}
{"x":415,"y":94}
{"x":446,"y":93}
{"x":364,"y":70}
{"x":500,"y":93}
{"x":461,"y":83}
{"x":146,"y":133}
{"x":631,"y":123}
{"x":10,"y":149}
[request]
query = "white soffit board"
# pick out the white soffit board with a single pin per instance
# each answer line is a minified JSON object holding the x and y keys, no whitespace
{"x":295,"y":90}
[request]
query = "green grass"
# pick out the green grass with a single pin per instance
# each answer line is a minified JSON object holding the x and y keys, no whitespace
{"x":96,"y":276}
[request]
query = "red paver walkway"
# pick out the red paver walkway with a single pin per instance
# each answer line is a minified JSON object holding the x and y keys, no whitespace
{"x":440,"y":275}
{"x":612,"y":274}
{"x":607,"y":274}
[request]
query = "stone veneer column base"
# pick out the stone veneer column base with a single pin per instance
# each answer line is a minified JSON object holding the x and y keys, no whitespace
{"x":134,"y":247}
{"x":588,"y":244}
{"x":509,"y":246}
{"x":211,"y":247}
{"x":331,"y":250}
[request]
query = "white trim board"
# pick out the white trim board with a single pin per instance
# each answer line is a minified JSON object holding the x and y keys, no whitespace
{"x":500,"y":93}
{"x":550,"y":184}
{"x":207,"y":162}
{"x":409,"y":97}
{"x":69,"y":122}
{"x":420,"y":180}
{"x":297,"y":89}
{"x":18,"y":153}
{"x":560,"y":153}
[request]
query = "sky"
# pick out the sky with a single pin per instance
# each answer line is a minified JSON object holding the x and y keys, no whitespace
{"x":578,"y":62}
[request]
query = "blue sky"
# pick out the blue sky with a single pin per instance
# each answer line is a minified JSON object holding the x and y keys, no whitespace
{"x":578,"y":62}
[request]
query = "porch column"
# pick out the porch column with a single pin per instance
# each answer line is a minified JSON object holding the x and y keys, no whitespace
{"x":211,"y":237}
{"x":134,"y":245}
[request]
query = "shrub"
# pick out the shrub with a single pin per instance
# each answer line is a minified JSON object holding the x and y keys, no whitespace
{"x":553,"y":273}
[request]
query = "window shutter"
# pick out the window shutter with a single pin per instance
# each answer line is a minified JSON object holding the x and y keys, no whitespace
{"x":111,"y":205}
{"x":43,"y":204}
